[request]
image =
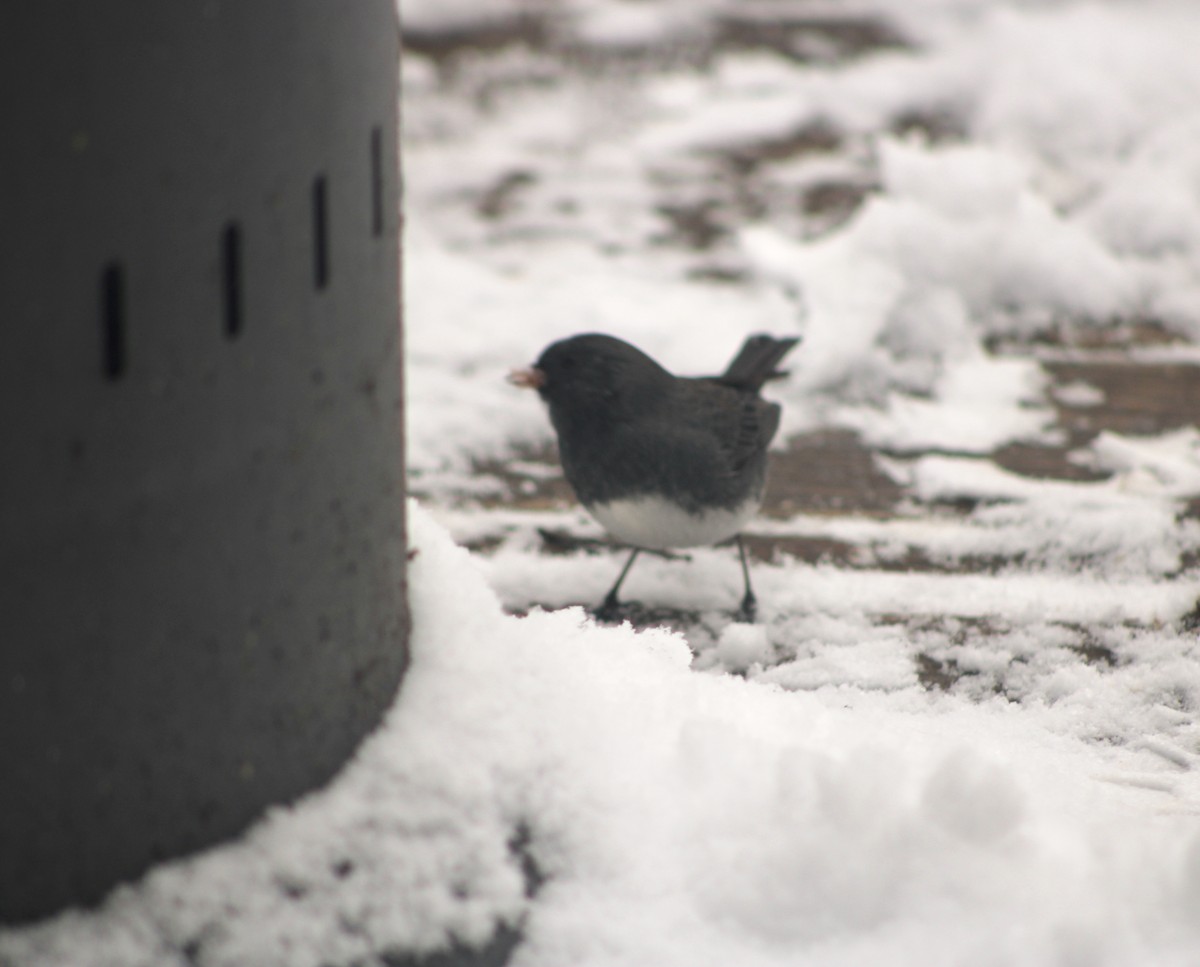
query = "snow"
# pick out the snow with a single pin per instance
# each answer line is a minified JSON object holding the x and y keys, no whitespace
{"x":683,"y":818}
{"x":944,"y":763}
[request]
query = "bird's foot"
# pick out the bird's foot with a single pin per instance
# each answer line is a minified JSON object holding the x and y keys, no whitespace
{"x":609,"y":611}
{"x":748,"y":612}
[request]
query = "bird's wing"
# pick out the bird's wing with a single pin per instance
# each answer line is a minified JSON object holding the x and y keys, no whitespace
{"x":742,"y":430}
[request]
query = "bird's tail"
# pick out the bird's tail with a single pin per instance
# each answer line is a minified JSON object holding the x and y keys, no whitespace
{"x":756,"y":361}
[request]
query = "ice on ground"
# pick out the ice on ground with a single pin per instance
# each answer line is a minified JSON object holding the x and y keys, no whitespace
{"x":1165,"y":465}
{"x":678,"y":818}
{"x":743,"y":645}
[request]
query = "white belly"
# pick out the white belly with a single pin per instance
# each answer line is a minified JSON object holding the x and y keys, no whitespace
{"x":657,"y":524}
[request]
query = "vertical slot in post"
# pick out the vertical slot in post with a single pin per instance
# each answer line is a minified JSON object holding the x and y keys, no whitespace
{"x":320,"y":212}
{"x":231,"y":279}
{"x":112,"y":322}
{"x":376,"y":181}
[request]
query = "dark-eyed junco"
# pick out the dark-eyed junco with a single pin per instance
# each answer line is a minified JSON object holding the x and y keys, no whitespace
{"x":661,"y":461}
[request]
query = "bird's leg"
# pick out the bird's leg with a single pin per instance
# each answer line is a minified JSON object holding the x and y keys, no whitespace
{"x":749,"y":608}
{"x":611,"y":605}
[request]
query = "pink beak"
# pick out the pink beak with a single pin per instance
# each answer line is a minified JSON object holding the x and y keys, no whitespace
{"x":532,"y":378}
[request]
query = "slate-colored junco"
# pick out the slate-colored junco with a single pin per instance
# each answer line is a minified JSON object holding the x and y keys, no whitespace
{"x":661,"y":461}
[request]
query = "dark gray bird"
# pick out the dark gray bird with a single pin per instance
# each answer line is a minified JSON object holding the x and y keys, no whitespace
{"x":661,"y":461}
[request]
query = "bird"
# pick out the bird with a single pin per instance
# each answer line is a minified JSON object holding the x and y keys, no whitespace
{"x":661,"y":461}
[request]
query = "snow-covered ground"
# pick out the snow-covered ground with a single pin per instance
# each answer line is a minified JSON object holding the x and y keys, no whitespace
{"x":991,"y":758}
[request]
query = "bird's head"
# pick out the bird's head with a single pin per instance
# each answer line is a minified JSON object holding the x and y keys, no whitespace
{"x":592,"y":375}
